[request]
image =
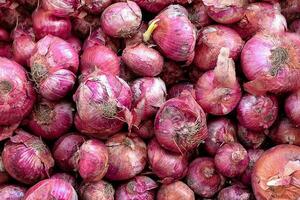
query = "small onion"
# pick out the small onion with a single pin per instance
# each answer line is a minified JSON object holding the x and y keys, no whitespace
{"x":250,"y":139}
{"x":100,"y":190}
{"x":295,"y":26}
{"x":292,"y":107}
{"x":66,"y":177}
{"x":145,"y":130}
{"x":172,"y":73}
{"x":177,"y":190}
{"x":61,"y":8}
{"x":234,"y":192}
{"x":153,"y":6}
{"x":12,"y":192}
{"x":198,"y":14}
{"x":177,"y":89}
{"x":96,"y":6}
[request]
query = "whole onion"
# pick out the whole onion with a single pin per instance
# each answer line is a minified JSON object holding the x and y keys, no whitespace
{"x":96,"y":6}
{"x":140,"y":187}
{"x":177,"y":89}
{"x":49,"y":189}
{"x":4,"y":177}
{"x":220,"y":131}
{"x":153,"y":6}
{"x":250,"y":139}
{"x":83,"y":25}
{"x":75,"y":42}
{"x":26,"y":158}
{"x":66,"y":177}
{"x":50,"y":120}
{"x":61,"y":8}
{"x":198,"y":14}
{"x":295,"y":26}
{"x":100,"y":190}
{"x":218,"y":91}
{"x":4,"y":35}
{"x":231,"y":160}
{"x":145,"y":130}
{"x":176,"y":190}
{"x":127,"y":157}
{"x":234,"y":192}
{"x":292,"y":107}
{"x":180,"y":124}
{"x":6,"y":50}
{"x":121,"y":19}
{"x":203,"y":178}
{"x":257,"y":113}
{"x":103,"y":103}
{"x":210,"y":41}
{"x":168,"y":166}
{"x":172,"y":73}
{"x":12,"y":192}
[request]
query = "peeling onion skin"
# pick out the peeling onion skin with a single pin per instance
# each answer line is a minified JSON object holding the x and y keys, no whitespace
{"x":96,"y":6}
{"x":132,"y":161}
{"x":26,"y":158}
{"x":274,"y":164}
{"x":100,"y":190}
{"x":292,"y":107}
{"x":234,"y":192}
{"x":61,"y":8}
{"x":177,"y":89}
{"x":12,"y":192}
{"x":177,"y":190}
{"x":198,"y":14}
{"x":295,"y":26}
{"x":203,"y":178}
{"x":250,"y":139}
{"x":66,"y":177}
{"x":145,"y":130}
{"x":168,"y":166}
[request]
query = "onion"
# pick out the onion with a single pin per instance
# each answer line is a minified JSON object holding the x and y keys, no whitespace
{"x":218,"y":91}
{"x":6,"y":50}
{"x":103,"y":103}
{"x":148,"y":96}
{"x":4,"y":177}
{"x":220,"y":131}
{"x":172,"y":73}
{"x":66,"y":177}
{"x":210,"y":41}
{"x":153,"y":6}
{"x":198,"y":14}
{"x":50,"y":120}
{"x":295,"y":26}
{"x":180,"y":124}
{"x":138,"y":37}
{"x":177,"y":89}
{"x":292,"y":107}
{"x":140,"y":187}
{"x":127,"y":157}
{"x":257,"y":112}
{"x":4,"y":35}
{"x":145,"y":130}
{"x":234,"y":192}
{"x":168,"y":166}
{"x":250,"y":139}
{"x":203,"y":178}
{"x":100,"y":190}
{"x":276,"y":173}
{"x":177,"y":190}
{"x":26,"y":158}
{"x":61,"y":8}
{"x":51,"y":189}
{"x":12,"y":192}
{"x":121,"y":19}
{"x":83,"y":25}
{"x":96,"y":6}
{"x":126,"y":74}
{"x":75,"y":42}
{"x":53,"y":64}
{"x":231,"y":160}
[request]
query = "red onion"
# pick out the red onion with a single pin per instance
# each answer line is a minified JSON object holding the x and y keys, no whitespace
{"x":218,"y":91}
{"x":174,"y":33}
{"x":51,"y":189}
{"x":96,"y":6}
{"x":292,"y":107}
{"x":177,"y":190}
{"x":121,"y":19}
{"x":138,"y":37}
{"x":140,"y":187}
{"x":148,"y":96}
{"x":75,"y":42}
{"x":234,"y":192}
{"x":172,"y":73}
{"x":295,"y":26}
{"x":100,"y":190}
{"x":4,"y":35}
{"x":4,"y":177}
{"x":220,"y":131}
{"x":45,"y":23}
{"x":168,"y":166}
{"x":276,"y":173}
{"x":103,"y":105}
{"x":203,"y":178}
{"x":53,"y":64}
{"x":153,"y":6}
{"x":12,"y":192}
{"x":26,"y":158}
{"x":99,"y":58}
{"x":231,"y":160}
{"x":127,"y":157}
{"x":145,"y":130}
{"x":210,"y":41}
{"x":61,"y":8}
{"x":66,"y":177}
{"x":180,"y":124}
{"x":83,"y":24}
{"x":250,"y":139}
{"x":198,"y":14}
{"x":6,"y":50}
{"x":179,"y":88}
{"x":257,"y":112}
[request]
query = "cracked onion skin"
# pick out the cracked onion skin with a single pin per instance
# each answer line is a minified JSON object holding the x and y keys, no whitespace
{"x":177,"y":190}
{"x":100,"y":190}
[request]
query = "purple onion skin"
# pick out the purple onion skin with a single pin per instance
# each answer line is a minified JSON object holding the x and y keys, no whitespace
{"x":153,"y":6}
{"x":66,"y":177}
{"x":61,"y":8}
{"x":172,"y":73}
{"x":100,"y":190}
{"x":76,"y":43}
{"x":177,"y":89}
{"x":292,"y":107}
{"x":231,"y":160}
{"x":198,"y":14}
{"x":138,"y":188}
{"x":145,"y":130}
{"x":4,"y":177}
{"x":12,"y":192}
{"x":234,"y":192}
{"x":4,"y":35}
{"x":96,"y":6}
{"x":82,"y":26}
{"x":177,"y":190}
{"x":250,"y":139}
{"x":203,"y":178}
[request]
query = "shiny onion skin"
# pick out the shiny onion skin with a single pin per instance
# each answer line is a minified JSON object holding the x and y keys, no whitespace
{"x":295,"y":26}
{"x":257,"y":113}
{"x":250,"y":139}
{"x":174,"y":34}
{"x":167,"y":165}
{"x":26,"y":158}
{"x":234,"y":192}
{"x":66,"y":177}
{"x":140,"y":187}
{"x":12,"y":192}
{"x":276,"y":173}
{"x":96,"y":6}
{"x":198,"y":14}
{"x":61,"y":8}
{"x":50,"y":120}
{"x":292,"y":107}
{"x":127,"y":157}
{"x":49,"y":189}
{"x":203,"y":178}
{"x":210,"y":41}
{"x":172,"y":73}
{"x":103,"y":105}
{"x":121,"y":19}
{"x":177,"y":89}
{"x":153,"y":6}
{"x":180,"y":124}
{"x":100,"y":190}
{"x":176,"y":190}
{"x":4,"y":177}
{"x":145,"y":130}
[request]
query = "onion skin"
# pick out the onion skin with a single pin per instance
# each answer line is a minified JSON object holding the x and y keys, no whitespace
{"x":5,"y":50}
{"x":96,"y":6}
{"x":176,"y":190}
{"x":51,"y":188}
{"x":121,"y":20}
{"x":203,"y":178}
{"x":172,"y":73}
{"x":75,"y":42}
{"x":61,"y":8}
{"x":26,"y":158}
{"x":231,"y":160}
{"x":295,"y":26}
{"x":12,"y":192}
{"x":234,"y":192}
{"x":140,"y":187}
{"x":292,"y":107}
{"x":82,"y":26}
{"x":22,"y":48}
{"x":145,"y":130}
{"x":153,"y":6}
{"x":4,"y":35}
{"x":250,"y":139}
{"x":100,"y":190}
{"x":66,"y":177}
{"x":168,"y":166}
{"x":127,"y":157}
{"x":177,"y":89}
{"x":198,"y":14}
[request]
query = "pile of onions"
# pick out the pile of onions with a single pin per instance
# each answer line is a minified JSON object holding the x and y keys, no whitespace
{"x":176,"y":190}
{"x":292,"y":107}
{"x":234,"y":192}
{"x":13,"y":192}
{"x":61,"y":8}
{"x":101,"y":190}
{"x":198,"y":14}
{"x":250,"y":139}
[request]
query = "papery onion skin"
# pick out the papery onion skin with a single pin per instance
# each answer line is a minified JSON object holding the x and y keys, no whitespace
{"x":100,"y":190}
{"x":51,"y":188}
{"x":231,"y":160}
{"x":172,"y":73}
{"x":4,"y":177}
{"x":4,"y":35}
{"x":168,"y":166}
{"x":121,"y":19}
{"x":145,"y":130}
{"x":61,"y":8}
{"x":12,"y":192}
{"x":250,"y":139}
{"x":234,"y":192}
{"x":96,"y":6}
{"x":179,"y":88}
{"x":203,"y":178}
{"x":198,"y":14}
{"x":295,"y":26}
{"x":66,"y":177}
{"x":140,"y":187}
{"x":127,"y":157}
{"x":292,"y":107}
{"x":176,"y":190}
{"x":26,"y":158}
{"x":153,"y":6}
